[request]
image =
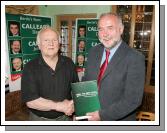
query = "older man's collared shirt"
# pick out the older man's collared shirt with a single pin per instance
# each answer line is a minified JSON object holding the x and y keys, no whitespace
{"x":39,"y":80}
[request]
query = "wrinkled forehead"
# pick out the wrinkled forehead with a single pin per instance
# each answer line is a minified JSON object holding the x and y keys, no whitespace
{"x":48,"y":31}
{"x":109,"y":18}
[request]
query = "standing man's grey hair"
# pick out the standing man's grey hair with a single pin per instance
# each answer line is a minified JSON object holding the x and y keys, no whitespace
{"x":44,"y":29}
{"x":112,"y":14}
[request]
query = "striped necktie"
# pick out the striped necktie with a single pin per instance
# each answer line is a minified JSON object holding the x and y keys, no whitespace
{"x":103,"y":67}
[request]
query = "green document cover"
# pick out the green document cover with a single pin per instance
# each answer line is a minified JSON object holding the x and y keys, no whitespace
{"x":85,"y":97}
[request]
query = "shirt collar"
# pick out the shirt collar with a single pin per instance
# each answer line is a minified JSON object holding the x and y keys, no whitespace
{"x":112,"y":51}
{"x":42,"y":61}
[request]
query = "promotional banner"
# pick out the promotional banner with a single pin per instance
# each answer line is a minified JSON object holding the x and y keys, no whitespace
{"x":86,"y":37}
{"x":21,"y":38}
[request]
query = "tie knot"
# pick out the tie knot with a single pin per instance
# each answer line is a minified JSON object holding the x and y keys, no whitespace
{"x":107,"y":53}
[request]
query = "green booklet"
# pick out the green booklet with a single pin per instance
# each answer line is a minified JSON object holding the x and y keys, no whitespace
{"x":85,"y":97}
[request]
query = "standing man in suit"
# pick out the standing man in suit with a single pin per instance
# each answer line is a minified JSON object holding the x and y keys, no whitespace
{"x":119,"y":70}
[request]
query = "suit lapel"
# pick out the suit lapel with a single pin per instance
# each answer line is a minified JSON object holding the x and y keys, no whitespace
{"x":98,"y":58}
{"x":119,"y":55}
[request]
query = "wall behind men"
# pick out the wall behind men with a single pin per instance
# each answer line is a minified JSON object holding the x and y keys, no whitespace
{"x":53,"y":10}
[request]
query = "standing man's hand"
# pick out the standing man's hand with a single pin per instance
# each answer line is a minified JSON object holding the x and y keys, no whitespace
{"x":69,"y":107}
{"x":94,"y":116}
{"x":66,"y":106}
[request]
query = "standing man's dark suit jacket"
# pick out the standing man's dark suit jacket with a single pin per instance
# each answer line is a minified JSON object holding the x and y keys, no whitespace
{"x":122,"y":85}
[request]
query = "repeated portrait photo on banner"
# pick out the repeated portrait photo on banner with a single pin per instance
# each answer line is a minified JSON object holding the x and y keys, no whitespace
{"x":21,"y":37}
{"x":86,"y":37}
